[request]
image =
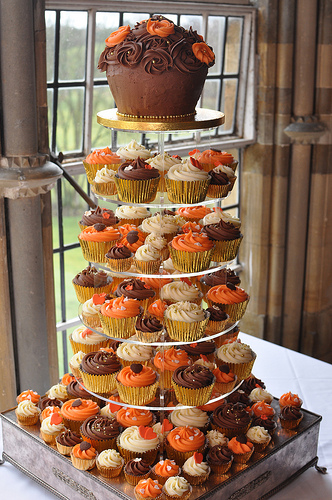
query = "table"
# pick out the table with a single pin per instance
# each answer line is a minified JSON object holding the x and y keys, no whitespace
{"x":282,"y":370}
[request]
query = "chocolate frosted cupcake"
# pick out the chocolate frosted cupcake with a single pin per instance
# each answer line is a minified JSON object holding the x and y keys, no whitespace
{"x":193,"y":384}
{"x":97,"y":216}
{"x":195,"y":349}
{"x":136,"y":289}
{"x":75,"y":390}
{"x":99,"y":370}
{"x":119,"y":258}
{"x":217,"y":323}
{"x":290,"y":417}
{"x":231,"y":419}
{"x":66,"y":441}
{"x":220,"y":277}
{"x":137,"y":181}
{"x":251,"y":383}
{"x":100,"y":431}
{"x":220,"y":459}
{"x":148,"y":329}
{"x":226,"y":237}
{"x":91,"y":281}
{"x":136,"y":469}
{"x":239,"y":397}
{"x":219,"y":184}
{"x":267,"y":423}
{"x":48,"y":401}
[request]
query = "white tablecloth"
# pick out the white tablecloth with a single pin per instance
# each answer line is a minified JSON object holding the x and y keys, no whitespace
{"x":282,"y":370}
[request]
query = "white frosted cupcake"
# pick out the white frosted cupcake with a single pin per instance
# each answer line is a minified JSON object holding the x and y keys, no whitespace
{"x":163,"y":162}
{"x":51,"y":427}
{"x":91,"y":308}
{"x":239,"y":357}
{"x":195,"y":470}
{"x":132,"y":151}
{"x":129,"y":214}
{"x":160,"y":225}
{"x":147,"y":259}
{"x":138,"y":442}
{"x":177,"y":488}
{"x":75,"y":362}
{"x":213,"y":217}
{"x":109,"y":463}
{"x":185,"y":321}
{"x":190,"y":416}
{"x":216,"y":438}
{"x":168,"y":266}
{"x":158,"y":243}
{"x":260,"y":394}
{"x":129,"y":353}
{"x":83,"y":339}
{"x":186,"y":182}
{"x":27,"y":413}
{"x":181,"y":291}
{"x":58,"y":391}
{"x":104,"y":183}
{"x":259,"y":437}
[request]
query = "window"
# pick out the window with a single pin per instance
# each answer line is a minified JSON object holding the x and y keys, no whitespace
{"x":77,"y":91}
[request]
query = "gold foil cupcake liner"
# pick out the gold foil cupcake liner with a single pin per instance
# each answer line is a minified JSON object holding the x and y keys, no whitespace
{"x":104,"y":188}
{"x":195,"y":480}
{"x":185,"y":332}
{"x":181,"y":456}
{"x":186,"y":191}
{"x":226,"y":250}
{"x":82,"y":226}
{"x":137,"y":191}
{"x":91,"y":321}
{"x":127,"y":362}
{"x":243,"y":458}
{"x":137,"y":395}
{"x":214,"y":327}
{"x":118,"y":327}
{"x":147,"y":266}
{"x":133,"y":480}
{"x":134,"y":221}
{"x":95,"y":251}
{"x":100,"y":444}
{"x":109,"y":472}
{"x":190,"y":262}
{"x":64,"y":450}
{"x":241,"y":370}
{"x":234,"y":311}
{"x":101,"y":384}
{"x":231,"y":432}
{"x":27,"y":420}
{"x":86,"y":348}
{"x":290,"y":424}
{"x":222,"y":468}
{"x":84,"y":293}
{"x":192,"y":397}
{"x":119,"y":265}
{"x":218,"y":191}
{"x":91,"y":169}
{"x":148,"y":456}
{"x":226,"y":387}
{"x":148,"y":336}
{"x":48,"y":438}
{"x":82,"y":464}
{"x":260,"y":447}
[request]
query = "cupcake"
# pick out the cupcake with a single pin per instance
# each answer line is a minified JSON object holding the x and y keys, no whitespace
{"x":138,"y":442}
{"x":259,"y":394}
{"x":91,"y":308}
{"x":241,"y":448}
{"x":231,"y":419}
{"x":48,"y":401}
{"x":239,"y":397}
{"x":103,"y":183}
{"x":194,"y":417}
{"x":109,"y":463}
{"x":210,"y":157}
{"x":148,"y":489}
{"x":218,"y":321}
{"x":165,"y":469}
{"x":220,"y":185}
{"x":147,"y":259}
{"x":182,"y":442}
{"x":167,"y":361}
{"x":76,"y":390}
{"x":129,"y":214}
{"x":66,"y":440}
{"x":28,"y":395}
{"x":220,"y":459}
{"x":98,"y":159}
{"x":163,"y":162}
{"x":186,"y":182}
{"x":290,"y":417}
{"x":83,"y":456}
{"x":136,"y":289}
{"x":58,"y":391}
{"x":193,"y":384}
{"x":251,"y":383}
{"x":137,"y":384}
{"x":67,"y":378}
{"x":227,"y":171}
{"x":177,"y":488}
{"x":75,"y":362}
{"x":133,"y":150}
{"x":162,"y":430}
{"x":216,"y":438}
{"x":96,"y":241}
{"x":119,"y":258}
{"x":239,"y":357}
{"x":195,"y":470}
{"x":193,"y":213}
{"x":290,"y":399}
{"x":132,"y":237}
{"x":27,"y":413}
{"x":157,"y":309}
{"x":160,"y":244}
{"x":225,"y":379}
{"x":259,"y":437}
{"x":118,"y":316}
{"x":98,"y":370}
{"x":180,"y":291}
{"x":48,"y":411}
{"x":191,"y":252}
{"x":129,"y":353}
{"x":75,"y":411}
{"x":85,"y":340}
{"x":220,"y":277}
{"x":97,"y":216}
{"x":261,"y":408}
{"x":101,"y":432}
{"x":197,"y":349}
{"x":226,"y":236}
{"x":165,"y":226}
{"x":148,"y":329}
{"x":91,"y":281}
{"x":137,"y":181}
{"x":265,"y":422}
{"x":135,"y":416}
{"x":51,"y":427}
{"x":136,"y":469}
{"x":185,"y":321}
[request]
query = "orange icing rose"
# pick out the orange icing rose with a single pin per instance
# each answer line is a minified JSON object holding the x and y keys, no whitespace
{"x":186,"y":438}
{"x":103,"y":157}
{"x":161,"y":28}
{"x":67,"y":378}
{"x":107,"y":234}
{"x":117,"y":36}
{"x":203,"y":52}
{"x":224,"y":295}
{"x":121,"y":307}
{"x":79,"y":409}
{"x":261,"y":408}
{"x":290,"y":399}
{"x":215,"y":157}
{"x":167,"y":468}
{"x":133,"y":416}
{"x":191,"y":226}
{"x":131,"y":379}
{"x":157,"y":308}
{"x":197,"y":212}
{"x":192,"y":242}
{"x":28,"y":395}
{"x":49,"y":410}
{"x":222,"y":377}
{"x":147,"y":488}
{"x":236,"y":447}
{"x":171,"y":359}
{"x":85,"y":454}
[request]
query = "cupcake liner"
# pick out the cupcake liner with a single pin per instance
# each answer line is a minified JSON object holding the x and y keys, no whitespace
{"x":222,"y":468}
{"x":231,"y":431}
{"x":186,"y":191}
{"x":241,"y":370}
{"x":95,"y":251}
{"x":49,"y":438}
{"x":195,"y":480}
{"x":148,"y":336}
{"x":148,"y":456}
{"x":99,"y":383}
{"x":104,"y":188}
{"x":136,"y":221}
{"x":126,"y":362}
{"x":109,"y":472}
{"x":185,"y":332}
{"x":82,"y":226}
{"x":218,"y":191}
{"x":290,"y":424}
{"x":243,"y":458}
{"x":147,"y":267}
{"x":136,"y":191}
{"x":181,"y":456}
{"x":137,"y":395}
{"x":161,"y":479}
{"x":226,"y":250}
{"x":64,"y":450}
{"x":73,"y":425}
{"x":184,"y":496}
{"x":225,"y":388}
{"x":133,"y":480}
{"x":190,"y":262}
{"x":86,"y":348}
{"x":197,"y":301}
{"x":259,"y":447}
{"x":91,"y":169}
{"x":91,"y":321}
{"x":234,"y":311}
{"x":100,"y":444}
{"x":81,"y":464}
{"x":141,"y":497}
{"x":119,"y":265}
{"x":214,"y":327}
{"x":74,"y":371}
{"x":85,"y":293}
{"x":118,"y":327}
{"x":192,"y":397}
{"x":24,"y":420}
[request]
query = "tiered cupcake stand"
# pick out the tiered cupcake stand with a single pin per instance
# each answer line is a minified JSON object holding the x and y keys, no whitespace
{"x":287,"y":456}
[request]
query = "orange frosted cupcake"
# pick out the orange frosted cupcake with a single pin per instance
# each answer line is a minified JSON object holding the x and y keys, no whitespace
{"x":261,"y":408}
{"x":191,"y":252}
{"x":290,"y":399}
{"x":48,"y":412}
{"x":83,"y":456}
{"x":182,"y":442}
{"x":118,"y":316}
{"x":147,"y":489}
{"x":137,"y":384}
{"x":225,"y":379}
{"x":166,"y":361}
{"x":157,"y":309}
{"x":67,"y":378}
{"x":230,"y":298}
{"x":99,"y":159}
{"x":75,"y":411}
{"x":241,"y":448}
{"x":135,"y":416}
{"x":193,"y":214}
{"x":28,"y":395}
{"x":165,"y":469}
{"x":210,"y":157}
{"x":96,"y":241}
{"x":132,"y":237}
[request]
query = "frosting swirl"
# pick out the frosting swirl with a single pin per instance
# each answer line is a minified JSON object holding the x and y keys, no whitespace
{"x":193,"y":377}
{"x":136,"y":170}
{"x":99,"y":216}
{"x":131,"y":439}
{"x":100,"y":427}
{"x":110,"y":458}
{"x":185,"y":311}
{"x":100,"y":363}
{"x":91,"y":277}
{"x":192,"y":242}
{"x":176,"y":486}
{"x":137,"y":467}
{"x":229,"y":415}
{"x":186,"y":438}
{"x":219,"y":455}
{"x":225,"y":295}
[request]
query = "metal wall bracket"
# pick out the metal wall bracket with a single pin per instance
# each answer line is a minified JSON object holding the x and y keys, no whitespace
{"x":305,"y":129}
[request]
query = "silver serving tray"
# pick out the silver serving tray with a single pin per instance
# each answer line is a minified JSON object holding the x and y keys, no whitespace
{"x":289,"y":454}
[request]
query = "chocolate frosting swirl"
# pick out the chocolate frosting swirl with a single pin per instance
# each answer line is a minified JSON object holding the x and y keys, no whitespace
{"x":290,"y":413}
{"x":198,"y":348}
{"x":119,"y":252}
{"x":268,"y":424}
{"x":137,"y":170}
{"x":99,"y":215}
{"x":148,"y":324}
{"x":239,"y":397}
{"x":218,"y":455}
{"x":134,"y":289}
{"x":100,"y":427}
{"x":68,"y":438}
{"x":221,"y":277}
{"x":222,"y":231}
{"x":44,"y":402}
{"x":91,"y":277}
{"x":76,"y":391}
{"x":218,"y":178}
{"x":193,"y":377}
{"x":231,"y":416}
{"x":216,"y":314}
{"x":251,"y":383}
{"x":100,"y":363}
{"x":137,"y":467}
